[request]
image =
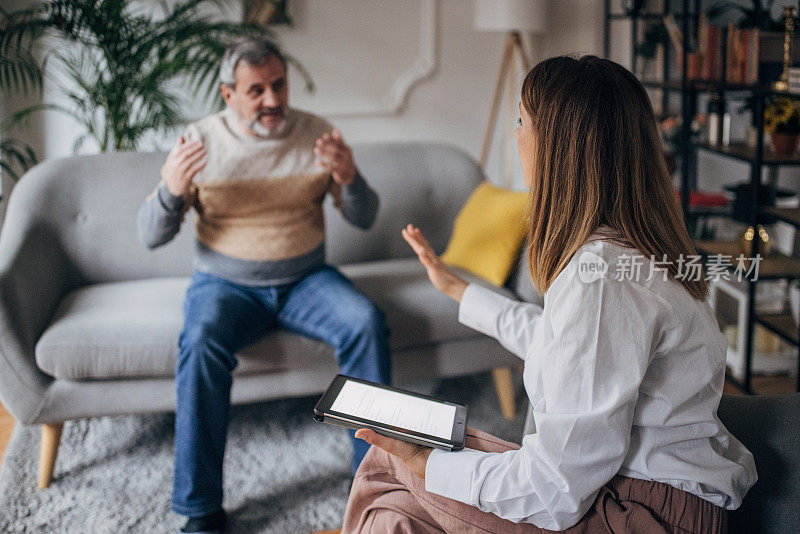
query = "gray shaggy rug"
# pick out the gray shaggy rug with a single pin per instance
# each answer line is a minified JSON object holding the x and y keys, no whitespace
{"x":284,"y":472}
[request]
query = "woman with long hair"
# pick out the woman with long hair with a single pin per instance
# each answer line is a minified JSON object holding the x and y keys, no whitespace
{"x":624,"y":364}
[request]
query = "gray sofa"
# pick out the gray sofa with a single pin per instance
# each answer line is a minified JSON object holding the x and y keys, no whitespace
{"x":769,"y":426}
{"x":89,"y":318}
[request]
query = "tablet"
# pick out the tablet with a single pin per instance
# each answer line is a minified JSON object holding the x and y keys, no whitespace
{"x":355,"y":403}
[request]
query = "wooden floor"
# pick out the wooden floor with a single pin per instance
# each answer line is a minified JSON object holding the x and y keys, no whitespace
{"x":6,"y":426}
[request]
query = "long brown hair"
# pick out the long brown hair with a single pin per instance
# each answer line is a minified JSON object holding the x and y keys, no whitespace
{"x":599,"y":162}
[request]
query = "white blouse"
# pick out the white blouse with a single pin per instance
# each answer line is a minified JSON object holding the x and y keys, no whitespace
{"x":624,"y":374}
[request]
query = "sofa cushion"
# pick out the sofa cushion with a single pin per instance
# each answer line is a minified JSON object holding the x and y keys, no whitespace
{"x":488,"y":233}
{"x":130,"y":329}
{"x":416,"y":312}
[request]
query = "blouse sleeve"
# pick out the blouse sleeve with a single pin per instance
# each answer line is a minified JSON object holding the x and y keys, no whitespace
{"x":603,"y":335}
{"x":509,"y":321}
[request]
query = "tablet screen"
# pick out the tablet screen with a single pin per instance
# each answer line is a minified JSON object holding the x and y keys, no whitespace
{"x":395,"y":409}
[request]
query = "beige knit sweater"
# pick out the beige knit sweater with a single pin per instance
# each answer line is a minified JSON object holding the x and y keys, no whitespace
{"x":258,"y":201}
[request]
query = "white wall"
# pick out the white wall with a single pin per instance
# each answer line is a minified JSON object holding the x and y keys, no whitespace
{"x":452,"y":105}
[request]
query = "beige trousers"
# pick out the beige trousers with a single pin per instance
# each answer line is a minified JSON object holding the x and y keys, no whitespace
{"x":387,"y":498}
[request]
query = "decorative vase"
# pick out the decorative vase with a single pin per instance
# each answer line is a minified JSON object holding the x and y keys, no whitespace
{"x":751,"y":136}
{"x":784,"y":144}
{"x":647,"y":68}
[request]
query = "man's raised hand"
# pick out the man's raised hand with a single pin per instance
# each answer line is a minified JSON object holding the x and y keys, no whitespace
{"x":334,"y":154}
{"x":184,"y":161}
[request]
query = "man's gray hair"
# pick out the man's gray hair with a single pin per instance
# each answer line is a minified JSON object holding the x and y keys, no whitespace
{"x":251,"y":50}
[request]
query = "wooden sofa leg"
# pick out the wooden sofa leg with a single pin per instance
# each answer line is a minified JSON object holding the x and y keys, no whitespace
{"x":51,"y":438}
{"x":505,"y":390}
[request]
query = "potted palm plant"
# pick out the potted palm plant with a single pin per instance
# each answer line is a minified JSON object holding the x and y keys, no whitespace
{"x":118,"y":61}
{"x":18,"y":71}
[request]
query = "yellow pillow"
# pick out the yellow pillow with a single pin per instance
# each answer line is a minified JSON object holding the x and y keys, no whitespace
{"x":488,"y":233}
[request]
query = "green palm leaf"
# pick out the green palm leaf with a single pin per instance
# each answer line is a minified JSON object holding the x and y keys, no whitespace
{"x":121,"y":62}
{"x":15,"y":158}
{"x":20,"y":72}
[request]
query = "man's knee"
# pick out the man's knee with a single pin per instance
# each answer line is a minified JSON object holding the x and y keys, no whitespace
{"x":204,"y":344}
{"x":364,"y":349}
{"x":365,"y":335}
{"x":366,"y":319}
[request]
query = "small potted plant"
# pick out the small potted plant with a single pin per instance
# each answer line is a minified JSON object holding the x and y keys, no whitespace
{"x":655,"y":35}
{"x":782,"y":122}
{"x":670,"y":128}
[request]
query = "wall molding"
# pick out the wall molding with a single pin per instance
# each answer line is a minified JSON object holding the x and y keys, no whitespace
{"x":394,"y":100}
{"x":424,"y":65}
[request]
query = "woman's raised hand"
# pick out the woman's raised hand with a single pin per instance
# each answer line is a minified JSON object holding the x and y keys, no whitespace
{"x":441,"y":276}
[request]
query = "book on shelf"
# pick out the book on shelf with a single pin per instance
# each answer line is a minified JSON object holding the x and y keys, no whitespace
{"x":735,"y":55}
{"x":674,"y":33}
{"x":706,"y":199}
{"x":739,"y":61}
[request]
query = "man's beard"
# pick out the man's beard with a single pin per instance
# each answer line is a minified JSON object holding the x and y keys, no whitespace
{"x":255,"y":126}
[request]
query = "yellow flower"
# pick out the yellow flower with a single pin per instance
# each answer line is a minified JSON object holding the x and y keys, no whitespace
{"x":780,"y":111}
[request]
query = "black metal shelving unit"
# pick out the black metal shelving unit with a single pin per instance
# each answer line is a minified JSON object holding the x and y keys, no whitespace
{"x":773,"y":265}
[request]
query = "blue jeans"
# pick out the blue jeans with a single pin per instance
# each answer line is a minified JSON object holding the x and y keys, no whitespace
{"x":221,"y":318}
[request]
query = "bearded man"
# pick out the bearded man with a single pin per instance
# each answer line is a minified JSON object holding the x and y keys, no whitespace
{"x":256,"y":175}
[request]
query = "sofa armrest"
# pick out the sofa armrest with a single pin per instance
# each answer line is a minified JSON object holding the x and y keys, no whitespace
{"x":34,"y":275}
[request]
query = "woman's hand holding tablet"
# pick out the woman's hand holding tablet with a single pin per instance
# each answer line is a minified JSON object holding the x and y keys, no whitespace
{"x":414,"y":456}
{"x":402,"y":423}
